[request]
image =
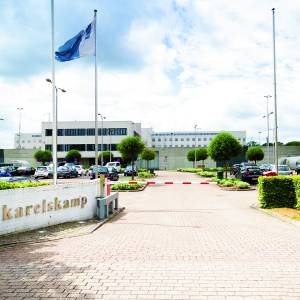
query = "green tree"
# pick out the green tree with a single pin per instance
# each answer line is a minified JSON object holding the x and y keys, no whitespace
{"x":43,"y":156}
{"x":130,"y":148}
{"x":73,"y":156}
{"x":223,"y":147}
{"x":106,"y":157}
{"x":293,"y":143}
{"x":255,"y":154}
{"x":148,"y":154}
{"x":202,"y":154}
{"x":252,"y":144}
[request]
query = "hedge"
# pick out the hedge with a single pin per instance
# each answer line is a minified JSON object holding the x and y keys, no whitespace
{"x":277,"y":191}
{"x":125,"y":186}
{"x":17,"y":185}
{"x":206,"y":174}
{"x":146,"y":175}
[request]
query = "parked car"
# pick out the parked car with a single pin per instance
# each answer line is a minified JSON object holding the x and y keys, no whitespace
{"x":114,"y":164}
{"x":249,"y":173}
{"x":101,"y":171}
{"x":80,"y":170}
{"x":282,"y":170}
{"x":43,"y":172}
{"x":266,"y":167}
{"x":4,"y":172}
{"x":128,"y":171}
{"x":113,"y":174}
{"x":64,"y":172}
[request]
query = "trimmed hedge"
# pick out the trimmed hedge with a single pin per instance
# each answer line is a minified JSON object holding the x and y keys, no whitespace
{"x":206,"y":174}
{"x":277,"y":191}
{"x":145,"y":175}
{"x":126,"y":187}
{"x":190,"y":170}
{"x":18,"y":185}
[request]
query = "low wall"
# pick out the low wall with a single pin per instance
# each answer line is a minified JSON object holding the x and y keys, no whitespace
{"x":32,"y":208}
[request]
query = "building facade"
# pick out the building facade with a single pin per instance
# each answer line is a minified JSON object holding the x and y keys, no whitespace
{"x":28,"y":141}
{"x":80,"y":135}
{"x":187,"y":139}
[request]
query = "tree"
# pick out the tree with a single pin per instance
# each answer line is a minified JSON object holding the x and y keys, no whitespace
{"x":223,"y":147}
{"x":43,"y":156}
{"x":272,"y":144}
{"x":130,"y":148}
{"x":73,"y":156}
{"x":293,"y":143}
{"x":148,"y":154}
{"x":255,"y":154}
{"x":201,"y":154}
{"x":106,"y":156}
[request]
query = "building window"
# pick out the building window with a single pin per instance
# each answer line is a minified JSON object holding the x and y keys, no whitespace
{"x":176,"y":140}
{"x":153,"y":140}
{"x":199,"y":140}
{"x":193,"y":139}
{"x":204,"y":139}
{"x":159,"y":139}
{"x":90,"y":132}
{"x":48,"y":132}
{"x":182,"y":139}
{"x":170,"y":139}
{"x":187,"y":139}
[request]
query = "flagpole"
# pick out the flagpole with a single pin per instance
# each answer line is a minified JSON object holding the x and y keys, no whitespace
{"x":54,"y":101}
{"x":96,"y":98}
{"x":275,"y":94}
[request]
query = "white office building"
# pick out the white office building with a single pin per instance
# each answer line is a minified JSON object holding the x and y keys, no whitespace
{"x":80,"y":135}
{"x":28,"y":141}
{"x":186,"y":139}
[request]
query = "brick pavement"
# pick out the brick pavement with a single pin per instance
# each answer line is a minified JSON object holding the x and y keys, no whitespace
{"x":172,"y":242}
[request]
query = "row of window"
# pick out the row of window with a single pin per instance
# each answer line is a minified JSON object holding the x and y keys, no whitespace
{"x":185,"y":133}
{"x":182,"y":139}
{"x":87,"y":131}
{"x":30,"y":141}
{"x":82,"y":147}
{"x":178,"y":146}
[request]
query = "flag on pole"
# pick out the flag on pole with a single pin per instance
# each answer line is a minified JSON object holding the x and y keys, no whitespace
{"x":82,"y":44}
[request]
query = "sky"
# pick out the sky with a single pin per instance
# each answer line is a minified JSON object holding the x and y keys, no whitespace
{"x":169,"y":64}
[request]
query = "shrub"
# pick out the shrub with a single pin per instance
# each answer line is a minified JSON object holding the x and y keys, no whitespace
{"x":190,"y":170}
{"x":127,"y":187}
{"x":17,"y":185}
{"x":242,"y":185}
{"x":277,"y":191}
{"x":73,"y":156}
{"x":255,"y":154}
{"x":146,"y":175}
{"x":206,"y":174}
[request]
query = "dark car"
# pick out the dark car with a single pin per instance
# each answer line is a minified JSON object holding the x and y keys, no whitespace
{"x":128,"y":171}
{"x":101,"y":171}
{"x":249,"y":173}
{"x":113,"y":174}
{"x":64,"y":172}
{"x":4,"y":172}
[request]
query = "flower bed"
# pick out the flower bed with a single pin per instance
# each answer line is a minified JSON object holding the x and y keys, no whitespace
{"x":232,"y":184}
{"x":127,"y":187}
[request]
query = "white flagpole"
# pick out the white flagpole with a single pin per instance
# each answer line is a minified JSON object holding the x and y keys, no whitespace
{"x":96,"y":98}
{"x":54,"y":101}
{"x":275,"y":95}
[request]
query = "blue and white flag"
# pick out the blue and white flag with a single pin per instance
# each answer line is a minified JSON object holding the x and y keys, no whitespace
{"x":82,"y":44}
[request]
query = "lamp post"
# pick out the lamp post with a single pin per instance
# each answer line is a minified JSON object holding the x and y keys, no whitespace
{"x":109,"y":144}
{"x":20,"y":116}
{"x":54,"y":134}
{"x":259,"y":133}
{"x":195,"y":127}
{"x":102,"y":118}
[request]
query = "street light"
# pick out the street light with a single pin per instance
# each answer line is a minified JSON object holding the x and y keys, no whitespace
{"x":54,"y":133}
{"x":195,"y":127}
{"x":102,"y":118}
{"x":268,"y":127}
{"x":20,"y":115}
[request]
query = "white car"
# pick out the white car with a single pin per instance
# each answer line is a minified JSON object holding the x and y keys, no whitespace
{"x":80,"y":170}
{"x":43,"y":172}
{"x":114,"y":164}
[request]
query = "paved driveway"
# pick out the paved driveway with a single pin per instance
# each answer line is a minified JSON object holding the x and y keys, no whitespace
{"x":172,"y":242}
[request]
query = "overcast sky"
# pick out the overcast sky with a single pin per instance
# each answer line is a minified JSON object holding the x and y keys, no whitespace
{"x":168,"y":64}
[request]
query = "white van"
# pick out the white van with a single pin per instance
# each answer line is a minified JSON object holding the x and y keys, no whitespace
{"x":114,"y":164}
